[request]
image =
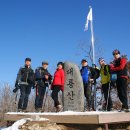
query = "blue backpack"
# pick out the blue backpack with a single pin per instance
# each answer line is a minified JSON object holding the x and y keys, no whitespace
{"x":113,"y":77}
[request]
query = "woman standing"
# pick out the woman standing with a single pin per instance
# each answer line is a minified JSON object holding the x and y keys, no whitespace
{"x":105,"y":81}
{"x":57,"y":85}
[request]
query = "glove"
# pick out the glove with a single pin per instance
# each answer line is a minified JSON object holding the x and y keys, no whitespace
{"x":15,"y":90}
{"x":94,"y":82}
{"x":16,"y":87}
{"x":50,"y":81}
{"x":46,"y":84}
{"x":111,"y":67}
{"x":50,"y":77}
{"x":33,"y":87}
{"x":91,"y":80}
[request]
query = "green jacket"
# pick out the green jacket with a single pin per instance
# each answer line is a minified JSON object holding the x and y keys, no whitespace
{"x":105,"y":74}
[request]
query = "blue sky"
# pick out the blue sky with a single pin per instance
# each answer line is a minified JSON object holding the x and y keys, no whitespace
{"x":52,"y":30}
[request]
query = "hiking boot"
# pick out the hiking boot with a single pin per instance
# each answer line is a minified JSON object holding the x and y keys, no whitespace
{"x":38,"y":109}
{"x":25,"y":110}
{"x":87,"y":109}
{"x":20,"y":110}
{"x":124,"y":110}
{"x":59,"y":108}
{"x":110,"y":109}
{"x":92,"y":109}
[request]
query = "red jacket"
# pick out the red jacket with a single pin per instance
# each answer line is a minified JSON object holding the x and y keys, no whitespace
{"x":120,"y":67}
{"x":59,"y":78}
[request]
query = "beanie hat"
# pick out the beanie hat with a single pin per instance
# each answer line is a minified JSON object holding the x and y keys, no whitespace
{"x":101,"y":59}
{"x":28,"y":59}
{"x":45,"y":63}
{"x":60,"y":63}
{"x":83,"y":60}
{"x":116,"y":52}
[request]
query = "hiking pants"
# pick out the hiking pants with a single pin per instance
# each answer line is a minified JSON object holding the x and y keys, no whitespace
{"x":25,"y":90}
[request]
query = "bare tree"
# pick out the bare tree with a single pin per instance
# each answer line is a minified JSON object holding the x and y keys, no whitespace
{"x":85,"y":49}
{"x":6,"y":99}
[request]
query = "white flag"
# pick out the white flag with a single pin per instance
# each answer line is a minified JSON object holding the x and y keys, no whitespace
{"x":89,"y":18}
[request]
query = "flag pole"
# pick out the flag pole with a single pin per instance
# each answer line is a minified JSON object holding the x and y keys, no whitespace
{"x":93,"y":54}
{"x":90,"y":19}
{"x":92,"y":39}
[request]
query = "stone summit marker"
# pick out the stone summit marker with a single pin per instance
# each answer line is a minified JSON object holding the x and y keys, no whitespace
{"x":73,"y":93}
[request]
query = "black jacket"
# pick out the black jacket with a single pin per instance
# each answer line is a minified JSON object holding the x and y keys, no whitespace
{"x":25,"y":76}
{"x":40,"y":73}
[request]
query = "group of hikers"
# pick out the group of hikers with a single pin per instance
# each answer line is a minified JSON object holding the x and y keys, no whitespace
{"x":113,"y":73}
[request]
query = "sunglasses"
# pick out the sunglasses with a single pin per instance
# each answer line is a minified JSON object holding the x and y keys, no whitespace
{"x":101,"y":61}
{"x":115,"y":54}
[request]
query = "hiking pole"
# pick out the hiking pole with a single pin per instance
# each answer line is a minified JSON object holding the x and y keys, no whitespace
{"x":108,"y":95}
{"x":16,"y":91}
{"x":36,"y":89}
{"x":102,"y":100}
{"x":95,"y":98}
{"x":16,"y":96}
{"x":45,"y":97}
{"x":93,"y":95}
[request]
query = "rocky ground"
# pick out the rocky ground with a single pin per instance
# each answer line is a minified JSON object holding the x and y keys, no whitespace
{"x":32,"y":125}
{"x":3,"y":124}
{"x":47,"y":125}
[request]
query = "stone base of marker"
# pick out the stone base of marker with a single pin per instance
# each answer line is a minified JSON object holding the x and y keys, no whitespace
{"x":73,"y":97}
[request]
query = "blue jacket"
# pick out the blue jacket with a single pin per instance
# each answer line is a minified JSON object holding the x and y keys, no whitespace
{"x":85,"y":73}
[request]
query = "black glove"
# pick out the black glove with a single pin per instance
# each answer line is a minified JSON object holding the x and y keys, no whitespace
{"x":95,"y":82}
{"x":15,"y":90}
{"x":50,"y":77}
{"x":50,"y":81}
{"x":46,"y":84}
{"x":33,"y":87}
{"x":113,"y":84}
{"x":16,"y":87}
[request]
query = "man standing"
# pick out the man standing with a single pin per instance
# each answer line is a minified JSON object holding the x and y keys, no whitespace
{"x":42,"y":78}
{"x":105,"y":81}
{"x":88,"y":75}
{"x":24,"y":82}
{"x":120,"y":69}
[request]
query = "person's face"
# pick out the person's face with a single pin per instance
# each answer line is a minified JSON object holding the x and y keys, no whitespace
{"x":84,"y":63}
{"x":102,"y":62}
{"x":59,"y":66}
{"x":116,"y":55}
{"x":45,"y":66}
{"x":28,"y":63}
